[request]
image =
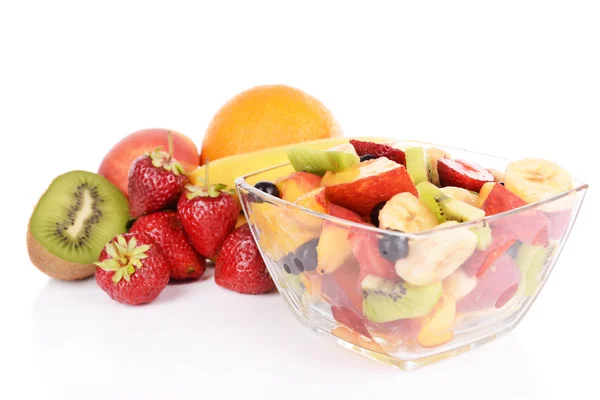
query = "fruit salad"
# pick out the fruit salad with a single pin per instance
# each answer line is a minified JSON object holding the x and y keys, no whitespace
{"x":408,"y":250}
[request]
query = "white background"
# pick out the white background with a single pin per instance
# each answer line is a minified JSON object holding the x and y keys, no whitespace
{"x":512,"y":78}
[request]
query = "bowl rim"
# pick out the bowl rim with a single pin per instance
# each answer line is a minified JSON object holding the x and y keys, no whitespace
{"x":241,"y":183}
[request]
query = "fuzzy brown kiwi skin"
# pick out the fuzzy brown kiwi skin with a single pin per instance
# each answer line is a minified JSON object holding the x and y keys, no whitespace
{"x":54,"y":266}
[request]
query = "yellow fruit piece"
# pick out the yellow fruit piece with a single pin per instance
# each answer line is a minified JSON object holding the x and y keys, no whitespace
{"x":241,"y":221}
{"x":434,"y":155}
{"x":357,"y":339}
{"x":461,"y":194}
{"x":438,"y":329}
{"x":534,"y":179}
{"x":266,"y":116}
{"x":484,"y":193}
{"x":405,"y":212}
{"x":334,"y":247}
{"x":227,"y":169}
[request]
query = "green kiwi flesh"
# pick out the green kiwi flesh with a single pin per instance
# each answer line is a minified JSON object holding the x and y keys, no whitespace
{"x":77,"y":215}
{"x":447,"y":208}
{"x":319,"y":161}
{"x":384,"y":300}
{"x":531,"y":260}
{"x":417,"y":164}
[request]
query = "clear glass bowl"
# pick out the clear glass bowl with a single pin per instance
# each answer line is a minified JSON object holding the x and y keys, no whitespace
{"x":332,"y":303}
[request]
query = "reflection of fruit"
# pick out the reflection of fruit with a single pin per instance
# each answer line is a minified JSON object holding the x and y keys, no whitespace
{"x":239,"y":265}
{"x":464,"y":195}
{"x":503,"y":277}
{"x":342,"y":287}
{"x":320,"y":161}
{"x":132,"y":269}
{"x":208,"y":216}
{"x":350,"y":319}
{"x":437,"y":329}
{"x":535,"y":180}
{"x":365,"y":246}
{"x":462,"y":174}
{"x":116,"y":163}
{"x":295,"y":185}
{"x":406,"y":213}
{"x":559,"y":223}
{"x":362,"y":187}
{"x":379,"y":150}
{"x":334,"y":246}
{"x":166,"y":230}
{"x":417,"y":164}
{"x":357,"y":339}
{"x":531,"y":260}
{"x":156,"y":181}
{"x":481,"y":261}
{"x":437,"y":255}
{"x":227,"y":169}
{"x":73,"y":220}
{"x":266,"y":116}
{"x":386,"y":301}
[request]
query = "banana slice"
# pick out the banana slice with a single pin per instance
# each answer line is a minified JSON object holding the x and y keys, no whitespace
{"x":434,"y":155}
{"x":461,"y":194}
{"x":533,"y":179}
{"x":435,"y":257}
{"x":459,"y":284}
{"x":405,"y":212}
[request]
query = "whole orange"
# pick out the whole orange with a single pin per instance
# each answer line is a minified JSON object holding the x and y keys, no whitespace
{"x":266,"y":116}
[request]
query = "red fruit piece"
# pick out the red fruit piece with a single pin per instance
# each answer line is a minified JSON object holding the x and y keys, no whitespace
{"x":495,"y":288}
{"x":208,"y":215}
{"x":462,"y":174}
{"x":559,"y":223}
{"x":350,"y":319}
{"x":156,"y":181}
{"x":167,"y":231}
{"x":240,"y":267}
{"x":132,"y":269}
{"x":379,"y":150}
{"x":500,"y":199}
{"x":481,"y":260}
{"x":342,"y":287}
{"x":529,"y":226}
{"x":365,"y":246}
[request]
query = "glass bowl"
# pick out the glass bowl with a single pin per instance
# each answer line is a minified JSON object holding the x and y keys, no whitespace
{"x":346,"y":293}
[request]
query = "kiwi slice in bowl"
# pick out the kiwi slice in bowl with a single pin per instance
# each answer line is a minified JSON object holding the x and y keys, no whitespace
{"x":73,"y":220}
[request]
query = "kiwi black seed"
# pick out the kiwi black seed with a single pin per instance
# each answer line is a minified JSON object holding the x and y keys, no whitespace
{"x":77,"y":215}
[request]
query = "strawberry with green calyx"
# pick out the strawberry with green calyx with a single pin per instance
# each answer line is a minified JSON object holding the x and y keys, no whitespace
{"x":132,"y":269}
{"x":156,"y":181}
{"x":208,"y":214}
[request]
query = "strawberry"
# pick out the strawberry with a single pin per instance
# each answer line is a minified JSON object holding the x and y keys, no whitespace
{"x":166,"y":230}
{"x":462,"y":174}
{"x":208,"y":215}
{"x":239,"y":265}
{"x":132,"y":269}
{"x":156,"y":181}
{"x":379,"y":150}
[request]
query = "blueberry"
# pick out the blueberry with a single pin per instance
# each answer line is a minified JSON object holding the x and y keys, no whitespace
{"x":268,"y":188}
{"x":375,"y":213}
{"x":289,"y":266}
{"x":305,"y":257}
{"x":367,"y":157}
{"x":393,"y":248}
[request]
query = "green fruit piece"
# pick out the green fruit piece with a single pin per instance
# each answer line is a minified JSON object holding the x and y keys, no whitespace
{"x":77,"y":215}
{"x":386,"y":301}
{"x":319,"y":161}
{"x":417,"y":164}
{"x":448,"y":208}
{"x":531,"y":260}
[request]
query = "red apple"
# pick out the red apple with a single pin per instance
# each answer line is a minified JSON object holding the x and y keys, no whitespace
{"x":363,"y":186}
{"x":500,"y":199}
{"x":116,"y":163}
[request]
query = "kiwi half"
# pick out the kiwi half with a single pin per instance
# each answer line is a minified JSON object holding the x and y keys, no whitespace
{"x":448,"y":208}
{"x":531,"y":260}
{"x":386,"y":301}
{"x":417,"y":164}
{"x":77,"y":215}
{"x":319,"y":161}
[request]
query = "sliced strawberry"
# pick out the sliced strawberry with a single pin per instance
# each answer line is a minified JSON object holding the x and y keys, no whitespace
{"x":463,"y":174}
{"x":365,"y":246}
{"x":379,"y":150}
{"x":350,"y":319}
